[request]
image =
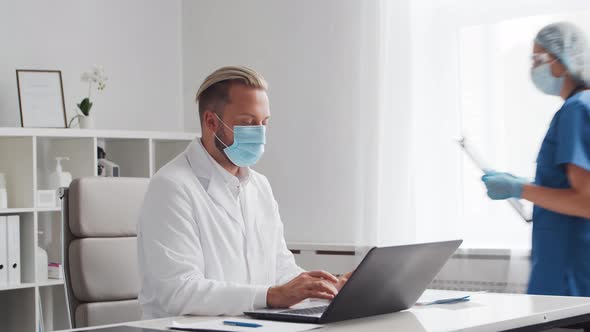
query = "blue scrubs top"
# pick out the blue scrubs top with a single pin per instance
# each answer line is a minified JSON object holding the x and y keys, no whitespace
{"x":561,"y":243}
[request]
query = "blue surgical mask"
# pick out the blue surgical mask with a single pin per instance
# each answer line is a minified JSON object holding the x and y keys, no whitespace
{"x":545,"y":81}
{"x":248,"y":144}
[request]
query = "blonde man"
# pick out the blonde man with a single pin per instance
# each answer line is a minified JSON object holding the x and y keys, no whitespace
{"x":210,"y":238}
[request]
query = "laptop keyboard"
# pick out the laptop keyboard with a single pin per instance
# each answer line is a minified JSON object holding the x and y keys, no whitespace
{"x":306,"y":311}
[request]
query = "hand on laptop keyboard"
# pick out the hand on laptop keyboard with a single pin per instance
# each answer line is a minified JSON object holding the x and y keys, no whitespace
{"x":313,"y":284}
{"x":342,"y":280}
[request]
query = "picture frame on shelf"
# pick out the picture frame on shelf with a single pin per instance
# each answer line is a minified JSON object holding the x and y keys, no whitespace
{"x":41,"y":98}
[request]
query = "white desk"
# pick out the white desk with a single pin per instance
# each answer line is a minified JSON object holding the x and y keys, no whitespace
{"x":485,"y":312}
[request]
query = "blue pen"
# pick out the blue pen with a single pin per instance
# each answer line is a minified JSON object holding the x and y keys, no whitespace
{"x":240,"y":324}
{"x":453,"y":300}
{"x":446,"y":301}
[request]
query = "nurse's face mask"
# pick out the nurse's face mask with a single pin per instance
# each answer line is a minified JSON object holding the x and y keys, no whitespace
{"x":542,"y":76}
{"x":248,"y":144}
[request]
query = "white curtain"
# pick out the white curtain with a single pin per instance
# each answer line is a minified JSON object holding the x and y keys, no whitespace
{"x":386,"y":148}
{"x":415,"y":184}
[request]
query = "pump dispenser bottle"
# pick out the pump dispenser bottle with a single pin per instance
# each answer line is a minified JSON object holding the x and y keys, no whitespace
{"x":60,"y":178}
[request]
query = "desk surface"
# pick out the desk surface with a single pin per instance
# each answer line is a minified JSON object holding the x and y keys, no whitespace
{"x":485,"y":312}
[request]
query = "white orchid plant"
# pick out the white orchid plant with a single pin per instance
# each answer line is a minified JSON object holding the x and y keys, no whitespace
{"x":96,"y":76}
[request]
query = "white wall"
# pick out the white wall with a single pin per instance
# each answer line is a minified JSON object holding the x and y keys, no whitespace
{"x":137,"y":41}
{"x":309,"y":51}
{"x":318,"y":57}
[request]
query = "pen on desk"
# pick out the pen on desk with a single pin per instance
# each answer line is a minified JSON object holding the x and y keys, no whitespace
{"x":456,"y":300}
{"x":240,"y":324}
{"x":446,"y":301}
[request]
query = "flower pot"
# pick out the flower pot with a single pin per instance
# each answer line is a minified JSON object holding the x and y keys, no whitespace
{"x":86,"y":122}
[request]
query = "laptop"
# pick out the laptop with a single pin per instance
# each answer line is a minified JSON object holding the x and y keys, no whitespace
{"x":389,"y":279}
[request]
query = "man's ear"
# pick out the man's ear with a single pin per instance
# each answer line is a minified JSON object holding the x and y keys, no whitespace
{"x":209,"y":121}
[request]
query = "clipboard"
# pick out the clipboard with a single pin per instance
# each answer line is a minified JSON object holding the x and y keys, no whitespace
{"x":516,"y":205}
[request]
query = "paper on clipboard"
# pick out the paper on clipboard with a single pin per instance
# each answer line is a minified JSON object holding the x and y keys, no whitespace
{"x":516,"y":205}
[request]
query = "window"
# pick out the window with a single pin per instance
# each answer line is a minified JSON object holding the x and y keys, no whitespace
{"x":504,"y":117}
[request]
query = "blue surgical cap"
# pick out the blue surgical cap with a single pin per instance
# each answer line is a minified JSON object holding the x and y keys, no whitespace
{"x":568,"y":44}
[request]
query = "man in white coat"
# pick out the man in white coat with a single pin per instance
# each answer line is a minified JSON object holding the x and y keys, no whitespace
{"x":210,"y":238}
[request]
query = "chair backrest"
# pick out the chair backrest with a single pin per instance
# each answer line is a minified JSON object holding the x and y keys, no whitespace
{"x":100,"y":218}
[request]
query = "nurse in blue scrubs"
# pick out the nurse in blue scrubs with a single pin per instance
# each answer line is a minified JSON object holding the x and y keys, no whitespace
{"x":561,"y":190}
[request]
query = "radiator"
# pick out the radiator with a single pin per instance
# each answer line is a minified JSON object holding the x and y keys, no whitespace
{"x":492,"y":270}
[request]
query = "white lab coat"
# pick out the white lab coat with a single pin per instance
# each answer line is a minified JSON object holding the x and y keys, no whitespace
{"x":200,"y":251}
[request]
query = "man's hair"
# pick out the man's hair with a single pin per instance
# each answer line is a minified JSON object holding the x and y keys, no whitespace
{"x":214,"y":91}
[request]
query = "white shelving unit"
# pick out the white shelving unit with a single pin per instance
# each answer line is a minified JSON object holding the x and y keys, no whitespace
{"x":27,"y":157}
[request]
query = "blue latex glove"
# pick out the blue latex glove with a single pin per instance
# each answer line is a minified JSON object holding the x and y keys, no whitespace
{"x":503,"y":185}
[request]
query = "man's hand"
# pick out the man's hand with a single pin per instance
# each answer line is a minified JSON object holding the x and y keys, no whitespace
{"x":313,"y":284}
{"x":342,"y":280}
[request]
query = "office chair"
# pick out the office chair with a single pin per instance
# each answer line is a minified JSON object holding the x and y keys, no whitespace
{"x":99,"y":217}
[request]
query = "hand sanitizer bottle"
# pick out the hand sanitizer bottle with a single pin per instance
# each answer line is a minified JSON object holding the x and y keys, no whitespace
{"x":59,"y":178}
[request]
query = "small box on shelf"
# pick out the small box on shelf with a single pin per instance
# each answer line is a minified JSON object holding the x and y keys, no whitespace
{"x":56,"y":271}
{"x":47,"y":198}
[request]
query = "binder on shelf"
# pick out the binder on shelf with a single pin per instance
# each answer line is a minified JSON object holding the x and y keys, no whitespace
{"x":3,"y":251}
{"x":13,"y":249}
